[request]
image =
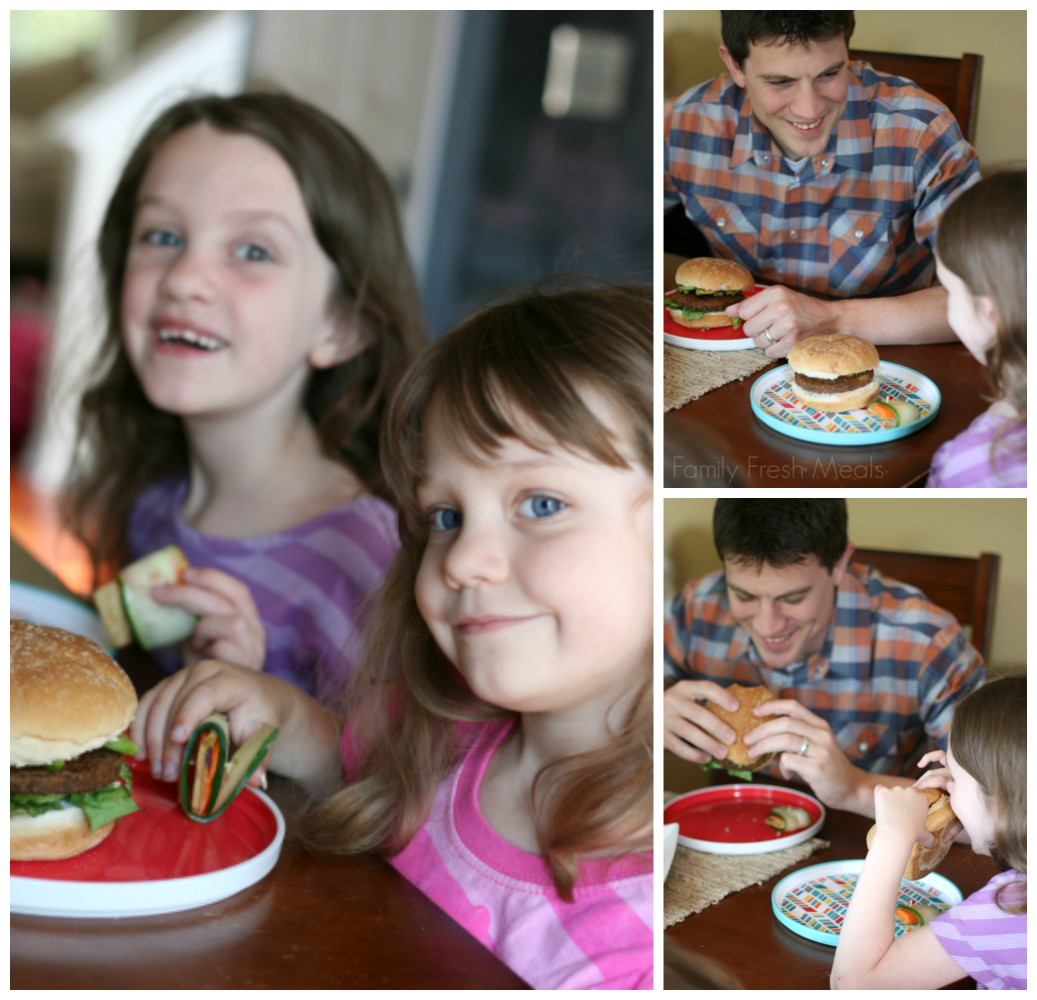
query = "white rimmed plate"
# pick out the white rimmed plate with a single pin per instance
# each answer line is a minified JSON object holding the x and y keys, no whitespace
{"x":730,"y":819}
{"x":670,"y":832}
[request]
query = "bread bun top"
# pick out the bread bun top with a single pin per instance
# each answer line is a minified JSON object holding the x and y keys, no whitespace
{"x":940,"y":812}
{"x":831,"y":355}
{"x":68,"y":696}
{"x":743,"y":720}
{"x":716,"y":274}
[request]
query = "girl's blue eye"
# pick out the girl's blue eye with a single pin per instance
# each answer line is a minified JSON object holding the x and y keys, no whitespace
{"x":540,"y":506}
{"x":161,"y":238}
{"x":444,"y":519}
{"x":251,"y":251}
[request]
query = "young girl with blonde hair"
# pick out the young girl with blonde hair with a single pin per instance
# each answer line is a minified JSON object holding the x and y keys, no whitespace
{"x":984,"y":771}
{"x":261,"y":307}
{"x":981,"y":262}
{"x":496,"y":739}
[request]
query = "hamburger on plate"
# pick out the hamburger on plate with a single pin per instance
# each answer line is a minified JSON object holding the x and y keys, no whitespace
{"x":706,"y":286}
{"x":835,"y":372}
{"x":70,"y":705}
{"x":738,"y":761}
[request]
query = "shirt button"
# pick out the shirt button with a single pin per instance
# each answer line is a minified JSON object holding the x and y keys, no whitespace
{"x":721,"y":223}
{"x":794,"y":234}
{"x":862,"y":747}
{"x":766,"y":157}
{"x":859,"y":233}
{"x":824,"y":163}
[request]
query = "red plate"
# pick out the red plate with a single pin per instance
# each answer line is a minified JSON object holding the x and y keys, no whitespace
{"x":674,"y":328}
{"x":156,"y":861}
{"x":730,"y":819}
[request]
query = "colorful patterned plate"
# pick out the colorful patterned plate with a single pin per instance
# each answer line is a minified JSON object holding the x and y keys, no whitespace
{"x":774,"y":402}
{"x":812,"y":902}
{"x":721,"y":338}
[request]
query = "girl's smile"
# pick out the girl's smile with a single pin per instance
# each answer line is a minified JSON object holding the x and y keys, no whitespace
{"x":227,"y":296}
{"x":536,"y":578}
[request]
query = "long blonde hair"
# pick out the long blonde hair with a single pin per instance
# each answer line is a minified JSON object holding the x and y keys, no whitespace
{"x":515,"y":369}
{"x":982,"y":240}
{"x":988,"y":740}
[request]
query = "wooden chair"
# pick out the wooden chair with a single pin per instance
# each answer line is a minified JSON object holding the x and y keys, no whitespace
{"x":964,"y":587}
{"x":955,"y":82}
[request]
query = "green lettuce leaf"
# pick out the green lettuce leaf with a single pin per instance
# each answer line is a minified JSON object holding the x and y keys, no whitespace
{"x":34,"y":805}
{"x":716,"y":765}
{"x":100,"y":807}
{"x":123,"y":745}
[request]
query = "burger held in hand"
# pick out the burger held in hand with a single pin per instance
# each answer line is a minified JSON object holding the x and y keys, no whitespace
{"x":834,"y":372}
{"x":706,"y":286}
{"x":70,"y":705}
{"x":738,"y":761}
{"x":938,"y":821}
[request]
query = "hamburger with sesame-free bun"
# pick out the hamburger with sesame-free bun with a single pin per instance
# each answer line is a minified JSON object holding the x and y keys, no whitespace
{"x":938,"y":820}
{"x":738,"y":761}
{"x":834,"y":372}
{"x":70,"y":705}
{"x":706,"y":286}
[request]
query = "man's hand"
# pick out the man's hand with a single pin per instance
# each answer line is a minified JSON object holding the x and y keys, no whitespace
{"x":823,"y":765}
{"x":787,"y":315}
{"x":692,"y":732}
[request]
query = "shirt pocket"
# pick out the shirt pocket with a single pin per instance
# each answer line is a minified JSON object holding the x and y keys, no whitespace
{"x":734,"y":231}
{"x":867,"y":741}
{"x":861,"y":251}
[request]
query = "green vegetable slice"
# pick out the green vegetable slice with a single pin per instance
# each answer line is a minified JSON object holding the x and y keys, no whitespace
{"x":228,"y":779}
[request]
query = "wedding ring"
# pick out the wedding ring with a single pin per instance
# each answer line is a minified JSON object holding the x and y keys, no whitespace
{"x":767,"y":334}
{"x":804,"y":748}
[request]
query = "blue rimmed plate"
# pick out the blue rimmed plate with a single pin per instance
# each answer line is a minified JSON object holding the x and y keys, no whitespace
{"x":44,"y":608}
{"x":774,"y":402}
{"x":812,"y":902}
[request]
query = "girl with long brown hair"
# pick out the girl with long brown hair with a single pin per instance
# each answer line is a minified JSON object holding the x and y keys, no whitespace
{"x":261,"y":306}
{"x":981,"y":262}
{"x":984,"y":772}
{"x":496,"y":738}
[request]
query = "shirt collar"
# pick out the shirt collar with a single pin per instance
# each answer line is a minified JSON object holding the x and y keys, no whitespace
{"x":849,"y":145}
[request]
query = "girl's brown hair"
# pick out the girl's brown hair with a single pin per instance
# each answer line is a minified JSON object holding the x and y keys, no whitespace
{"x":518,"y":370}
{"x":988,"y":740}
{"x":982,"y":239}
{"x":125,"y":443}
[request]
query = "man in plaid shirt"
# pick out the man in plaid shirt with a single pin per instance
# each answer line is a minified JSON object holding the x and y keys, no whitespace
{"x":818,"y":174}
{"x":865,"y":669}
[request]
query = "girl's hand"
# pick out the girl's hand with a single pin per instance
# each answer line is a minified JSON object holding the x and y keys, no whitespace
{"x":229,"y":626}
{"x":900,"y":813}
{"x":307,"y":744}
{"x":939,"y":778}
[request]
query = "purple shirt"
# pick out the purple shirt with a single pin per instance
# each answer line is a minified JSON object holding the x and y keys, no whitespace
{"x":309,"y":582}
{"x":988,"y":944}
{"x":965,"y":460}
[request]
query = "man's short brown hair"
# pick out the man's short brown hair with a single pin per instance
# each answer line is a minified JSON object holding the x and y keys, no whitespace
{"x":742,"y":28}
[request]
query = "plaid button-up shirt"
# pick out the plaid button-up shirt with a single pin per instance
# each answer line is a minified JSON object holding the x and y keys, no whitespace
{"x":858,"y":219}
{"x":891,"y":670}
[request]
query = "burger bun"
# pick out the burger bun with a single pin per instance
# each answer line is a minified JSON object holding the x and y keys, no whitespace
{"x":710,"y":321}
{"x":53,"y":836}
{"x":831,"y":355}
{"x":68,"y":696}
{"x":715,"y":274}
{"x":742,"y":721}
{"x":838,"y":402}
{"x":938,"y":821}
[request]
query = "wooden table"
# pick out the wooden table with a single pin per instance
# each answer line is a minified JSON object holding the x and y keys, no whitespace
{"x":742,"y":933}
{"x":765,"y":458}
{"x":312,"y":923}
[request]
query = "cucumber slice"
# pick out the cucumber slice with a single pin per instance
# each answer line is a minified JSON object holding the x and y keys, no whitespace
{"x":155,"y":625}
{"x":230,"y":777}
{"x":108,"y":601}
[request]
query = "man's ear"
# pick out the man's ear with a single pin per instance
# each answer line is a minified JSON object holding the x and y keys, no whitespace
{"x":733,"y":68}
{"x":345,"y":339}
{"x":839,"y":569}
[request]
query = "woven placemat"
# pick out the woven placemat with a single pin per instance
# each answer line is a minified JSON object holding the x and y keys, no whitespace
{"x":690,"y":374}
{"x":698,"y":880}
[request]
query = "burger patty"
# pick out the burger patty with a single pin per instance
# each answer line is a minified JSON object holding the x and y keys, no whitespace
{"x":92,"y":771}
{"x":708,"y":303}
{"x":845,"y":383}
